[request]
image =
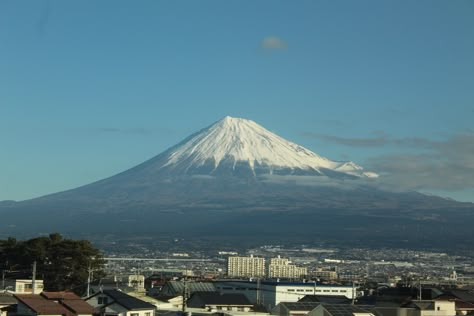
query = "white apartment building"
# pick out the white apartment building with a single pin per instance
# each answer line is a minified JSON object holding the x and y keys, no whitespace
{"x":246,"y":267}
{"x":325,"y":274}
{"x":280,"y":261}
{"x":282,"y":268}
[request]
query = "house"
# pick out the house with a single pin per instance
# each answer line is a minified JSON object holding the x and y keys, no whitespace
{"x":169,"y":302}
{"x":35,"y":304}
{"x":117,"y":303}
{"x":112,"y":283}
{"x":71,"y":302}
{"x":6,"y":302}
{"x":463,"y":300}
{"x":294,"y":308}
{"x":463,"y":295}
{"x":23,"y":286}
{"x":324,"y":309}
{"x":340,"y":310}
{"x":217,"y":302}
{"x":437,"y":307}
{"x":52,"y":304}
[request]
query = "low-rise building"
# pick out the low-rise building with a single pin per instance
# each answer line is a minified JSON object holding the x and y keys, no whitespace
{"x":6,"y":302}
{"x":435,"y":307}
{"x":52,"y":304}
{"x":270,"y":293}
{"x":216,"y":302}
{"x":23,"y":286}
{"x":324,"y":274}
{"x":115,"y":302}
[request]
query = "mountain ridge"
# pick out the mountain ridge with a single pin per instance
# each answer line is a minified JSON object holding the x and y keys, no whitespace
{"x":192,"y":185}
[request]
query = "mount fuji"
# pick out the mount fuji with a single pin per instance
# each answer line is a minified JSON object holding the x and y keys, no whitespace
{"x":235,"y":178}
{"x":239,"y":146}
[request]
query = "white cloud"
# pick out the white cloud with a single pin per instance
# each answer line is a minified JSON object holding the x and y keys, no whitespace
{"x":273,"y":43}
{"x":419,"y":163}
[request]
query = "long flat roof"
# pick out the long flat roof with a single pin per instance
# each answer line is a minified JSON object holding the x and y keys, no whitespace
{"x":284,"y":283}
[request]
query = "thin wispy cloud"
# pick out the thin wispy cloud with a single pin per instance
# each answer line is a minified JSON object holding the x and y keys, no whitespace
{"x":424,"y":164}
{"x":138,"y":130}
{"x":420,"y":163}
{"x":349,"y":141}
{"x":273,"y":43}
{"x":379,"y":140}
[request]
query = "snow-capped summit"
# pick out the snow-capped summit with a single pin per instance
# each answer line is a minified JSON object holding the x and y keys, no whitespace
{"x":235,"y":145}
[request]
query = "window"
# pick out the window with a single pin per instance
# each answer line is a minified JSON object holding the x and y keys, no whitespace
{"x":299,"y":290}
{"x":326,"y":291}
{"x":134,"y":314}
{"x":290,"y":290}
{"x":335,"y":290}
{"x":147,"y":314}
{"x":102,"y":300}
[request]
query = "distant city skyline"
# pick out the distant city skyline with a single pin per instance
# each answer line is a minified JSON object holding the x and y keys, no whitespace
{"x":90,"y":89}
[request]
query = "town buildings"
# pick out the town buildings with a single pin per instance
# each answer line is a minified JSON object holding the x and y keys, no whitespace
{"x":270,"y":293}
{"x":117,"y":303}
{"x":254,"y":267}
{"x":246,"y":267}
{"x":282,"y":268}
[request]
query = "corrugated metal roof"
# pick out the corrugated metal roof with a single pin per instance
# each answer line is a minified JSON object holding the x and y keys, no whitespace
{"x":177,"y":287}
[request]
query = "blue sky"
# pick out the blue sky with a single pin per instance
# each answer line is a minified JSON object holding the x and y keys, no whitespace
{"x":91,"y":88}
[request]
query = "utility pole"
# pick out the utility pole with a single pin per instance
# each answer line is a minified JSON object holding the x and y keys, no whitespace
{"x":353,"y":292}
{"x":258,"y":292}
{"x":419,"y":289}
{"x":185,"y":295}
{"x":89,"y":281}
{"x":33,"y":283}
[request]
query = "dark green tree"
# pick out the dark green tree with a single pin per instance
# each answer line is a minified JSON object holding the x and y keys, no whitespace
{"x":64,"y":264}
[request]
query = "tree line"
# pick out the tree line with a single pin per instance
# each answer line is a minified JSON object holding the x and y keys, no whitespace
{"x":63,"y":264}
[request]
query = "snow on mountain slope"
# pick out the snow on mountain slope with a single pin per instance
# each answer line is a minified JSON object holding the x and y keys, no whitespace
{"x":238,"y":142}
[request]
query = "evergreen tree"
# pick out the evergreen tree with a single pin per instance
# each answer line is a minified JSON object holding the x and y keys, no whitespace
{"x":63,"y":264}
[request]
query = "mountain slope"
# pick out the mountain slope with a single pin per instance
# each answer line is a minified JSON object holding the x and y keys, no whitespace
{"x":237,"y":174}
{"x":240,"y":143}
